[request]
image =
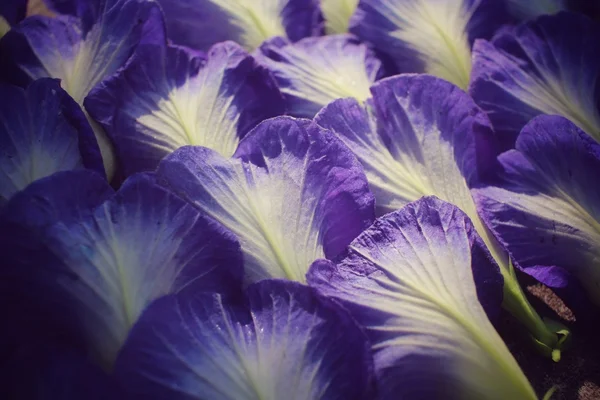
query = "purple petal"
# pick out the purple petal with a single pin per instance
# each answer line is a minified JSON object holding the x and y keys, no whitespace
{"x":315,"y":71}
{"x":284,"y":341}
{"x":434,"y":37}
{"x":415,"y":280}
{"x":39,"y":135}
{"x":546,"y":66}
{"x":137,"y":246}
{"x":292,"y":194}
{"x":80,"y":51}
{"x":168,"y":97}
{"x":247,"y":23}
{"x":547,"y":210}
{"x":422,"y":136}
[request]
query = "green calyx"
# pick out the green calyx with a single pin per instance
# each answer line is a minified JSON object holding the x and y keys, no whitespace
{"x":563,"y":339}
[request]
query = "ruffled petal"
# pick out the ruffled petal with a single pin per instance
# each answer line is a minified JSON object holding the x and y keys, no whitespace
{"x":547,"y":209}
{"x":292,"y":193}
{"x":415,"y":280}
{"x":168,"y":97}
{"x":546,"y":66}
{"x":315,"y":71}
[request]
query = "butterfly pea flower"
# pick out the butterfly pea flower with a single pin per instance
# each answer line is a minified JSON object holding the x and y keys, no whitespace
{"x":106,"y":264}
{"x":11,"y":12}
{"x":422,"y":283}
{"x":170,"y":96}
{"x":80,"y":50}
{"x":42,"y":131}
{"x":199,"y":24}
{"x":546,"y":66}
{"x":280,"y":341}
{"x":315,"y":71}
{"x":292,"y":193}
{"x":421,"y":136}
{"x":337,"y":14}
{"x":546,"y":208}
{"x":430,"y":36}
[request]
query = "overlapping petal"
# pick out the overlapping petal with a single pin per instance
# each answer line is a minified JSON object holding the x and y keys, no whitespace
{"x":40,"y":135}
{"x":315,"y":71}
{"x":415,"y":280}
{"x":168,"y":97}
{"x":547,"y":209}
{"x":547,"y":66}
{"x":80,"y":50}
{"x":283,"y":341}
{"x":421,"y":136}
{"x":199,"y":24}
{"x":428,"y":36}
{"x":337,"y":14}
{"x":142,"y":243}
{"x":292,"y":193}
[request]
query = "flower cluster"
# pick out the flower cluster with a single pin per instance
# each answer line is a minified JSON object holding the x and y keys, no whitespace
{"x":291,"y":199}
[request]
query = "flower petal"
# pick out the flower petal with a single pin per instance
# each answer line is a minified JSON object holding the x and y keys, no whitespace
{"x":337,"y":14}
{"x":422,"y":136}
{"x":318,"y":70}
{"x":284,"y":342}
{"x":168,"y":97}
{"x":139,"y":245}
{"x":29,"y":270}
{"x":80,"y":51}
{"x":294,"y":193}
{"x":547,"y":209}
{"x":39,"y":137}
{"x":546,"y":66}
{"x":415,"y":280}
{"x":246,"y":22}
{"x":428,"y":36}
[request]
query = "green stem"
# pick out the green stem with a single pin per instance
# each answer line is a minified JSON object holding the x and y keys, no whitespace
{"x":547,"y":336}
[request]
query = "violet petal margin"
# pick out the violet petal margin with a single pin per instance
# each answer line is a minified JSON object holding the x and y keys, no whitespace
{"x":428,"y":36}
{"x":317,"y":70}
{"x":415,"y":280}
{"x":168,"y":97}
{"x":199,"y":24}
{"x":547,"y":208}
{"x":550,"y":65}
{"x":292,"y":193}
{"x":283,"y":342}
{"x":40,"y":135}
